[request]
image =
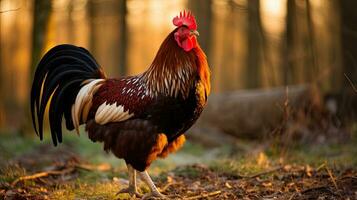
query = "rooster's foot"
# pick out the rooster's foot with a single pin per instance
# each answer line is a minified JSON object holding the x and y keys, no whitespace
{"x":154,"y":195}
{"x":131,"y":191}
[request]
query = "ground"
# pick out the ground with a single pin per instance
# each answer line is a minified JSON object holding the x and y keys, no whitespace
{"x":79,"y":169}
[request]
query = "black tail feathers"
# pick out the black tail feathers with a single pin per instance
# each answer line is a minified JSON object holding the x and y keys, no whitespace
{"x":57,"y":81}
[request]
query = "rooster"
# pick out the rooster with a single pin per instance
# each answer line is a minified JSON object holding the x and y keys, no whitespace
{"x":137,"y":118}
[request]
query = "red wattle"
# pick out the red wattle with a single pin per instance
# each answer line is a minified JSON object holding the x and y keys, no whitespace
{"x":186,"y":45}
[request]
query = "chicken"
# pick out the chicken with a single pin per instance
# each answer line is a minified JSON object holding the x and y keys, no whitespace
{"x":137,"y":118}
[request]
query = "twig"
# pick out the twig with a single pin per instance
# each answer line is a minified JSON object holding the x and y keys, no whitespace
{"x":351,"y":83}
{"x":163,"y":189}
{"x":266,"y":172}
{"x":204,"y":195}
{"x":42,"y":174}
{"x":323,"y":165}
{"x":88,"y":167}
{"x":85,"y":167}
{"x":56,"y":172}
{"x":333,"y":180}
{"x":292,"y":196}
{"x":259,"y":174}
{"x":332,"y":177}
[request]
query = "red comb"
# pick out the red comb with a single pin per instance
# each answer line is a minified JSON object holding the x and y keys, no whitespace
{"x":186,"y":19}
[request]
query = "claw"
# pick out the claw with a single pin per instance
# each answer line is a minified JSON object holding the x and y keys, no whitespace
{"x":131,"y":191}
{"x":153,"y":195}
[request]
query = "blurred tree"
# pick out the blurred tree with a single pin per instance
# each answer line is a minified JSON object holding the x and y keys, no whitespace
{"x":123,"y":37}
{"x":228,"y":45}
{"x":91,"y":15}
{"x":347,"y":99}
{"x":203,"y":13}
{"x":349,"y":40}
{"x":255,"y":42}
{"x":313,"y":69}
{"x":1,"y":78}
{"x":288,"y":49}
{"x":299,"y":63}
{"x":71,"y":29}
{"x":41,"y":15}
{"x":108,"y":29}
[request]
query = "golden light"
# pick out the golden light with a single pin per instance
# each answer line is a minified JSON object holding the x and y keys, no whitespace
{"x":273,"y":13}
{"x":8,"y":7}
{"x":273,"y":7}
{"x":155,"y":20}
{"x":154,"y":11}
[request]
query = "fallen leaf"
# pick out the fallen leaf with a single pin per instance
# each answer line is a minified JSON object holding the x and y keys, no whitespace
{"x":287,"y":167}
{"x":308,"y":170}
{"x":169,"y":179}
{"x":267,"y":184}
{"x":104,"y":167}
{"x":228,"y":185}
{"x":262,"y":159}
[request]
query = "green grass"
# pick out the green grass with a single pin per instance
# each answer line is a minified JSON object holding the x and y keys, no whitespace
{"x":338,"y":155}
{"x":12,"y":145}
{"x":10,"y":173}
{"x":83,"y":190}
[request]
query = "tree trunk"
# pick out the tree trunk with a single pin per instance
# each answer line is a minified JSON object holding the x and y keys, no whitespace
{"x":203,"y":13}
{"x":91,"y":15}
{"x":108,"y":20}
{"x":347,"y":100}
{"x":2,"y":114}
{"x":255,"y":34}
{"x":311,"y":42}
{"x":288,"y":49}
{"x":349,"y":39}
{"x":123,"y":38}
{"x":41,"y":14}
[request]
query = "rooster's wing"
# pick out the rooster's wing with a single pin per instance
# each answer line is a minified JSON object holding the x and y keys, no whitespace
{"x":118,"y":100}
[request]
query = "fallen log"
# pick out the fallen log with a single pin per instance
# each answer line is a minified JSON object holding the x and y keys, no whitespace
{"x":248,"y":113}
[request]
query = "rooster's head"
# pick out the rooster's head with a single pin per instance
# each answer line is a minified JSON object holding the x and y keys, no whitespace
{"x":186,"y":32}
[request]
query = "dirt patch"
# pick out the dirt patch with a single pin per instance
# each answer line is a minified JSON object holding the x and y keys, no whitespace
{"x":288,"y":182}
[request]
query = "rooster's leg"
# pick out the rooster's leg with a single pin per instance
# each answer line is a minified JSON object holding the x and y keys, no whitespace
{"x":154,"y":191}
{"x":132,"y":189}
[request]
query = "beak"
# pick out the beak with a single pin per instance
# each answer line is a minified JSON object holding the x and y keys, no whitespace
{"x":196,"y":33}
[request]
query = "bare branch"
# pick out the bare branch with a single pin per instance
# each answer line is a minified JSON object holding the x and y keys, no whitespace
{"x":205,"y":195}
{"x":11,"y":10}
{"x":350,"y":81}
{"x":42,"y":174}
